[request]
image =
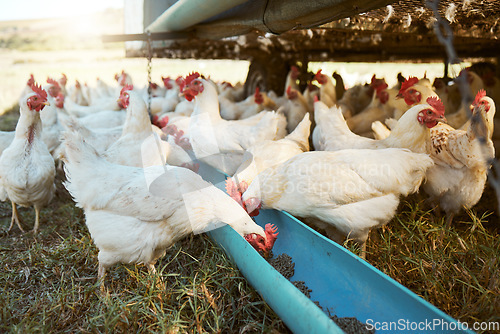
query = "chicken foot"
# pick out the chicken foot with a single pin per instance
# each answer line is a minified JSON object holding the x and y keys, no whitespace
{"x":159,"y":281}
{"x":101,"y":272}
{"x":15,"y":218}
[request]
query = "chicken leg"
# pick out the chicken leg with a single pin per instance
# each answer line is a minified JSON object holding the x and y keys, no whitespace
{"x":151,"y":268}
{"x":15,"y":218}
{"x":37,"y":219}
{"x":101,"y":272}
{"x":159,"y":280}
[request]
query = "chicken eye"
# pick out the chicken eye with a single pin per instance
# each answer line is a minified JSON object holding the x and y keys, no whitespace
{"x":412,"y":91}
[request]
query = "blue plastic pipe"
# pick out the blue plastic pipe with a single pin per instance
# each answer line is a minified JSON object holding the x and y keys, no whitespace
{"x":186,"y":13}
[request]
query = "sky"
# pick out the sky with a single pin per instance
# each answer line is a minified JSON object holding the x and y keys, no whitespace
{"x":43,"y":9}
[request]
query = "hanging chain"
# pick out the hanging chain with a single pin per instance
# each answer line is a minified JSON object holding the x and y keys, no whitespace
{"x":446,"y":40}
{"x":149,"y":57}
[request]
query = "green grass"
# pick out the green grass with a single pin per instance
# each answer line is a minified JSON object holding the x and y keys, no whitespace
{"x":455,"y":269}
{"x":49,"y":284}
{"x":49,"y":280}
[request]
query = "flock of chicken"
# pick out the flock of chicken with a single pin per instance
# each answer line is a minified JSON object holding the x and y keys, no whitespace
{"x":132,"y":166}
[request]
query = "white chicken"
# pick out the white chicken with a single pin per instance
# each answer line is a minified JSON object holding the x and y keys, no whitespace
{"x":347,"y":193}
{"x":49,"y":116}
{"x":27,"y":169}
{"x":129,"y":149}
{"x":295,"y":108}
{"x":262,"y":101}
{"x":292,"y":77}
{"x":413,"y":91}
{"x":105,"y":118}
{"x":388,"y":103}
{"x":167,"y":102}
{"x":412,"y":129}
{"x":76,"y":94}
{"x":377,"y":109}
{"x":458,"y":118}
{"x":231,"y":110}
{"x":357,"y":98}
{"x":327,"y":92}
{"x":100,"y":139}
{"x":310,"y":93}
{"x":6,"y":137}
{"x":104,"y":104}
{"x":233,"y":93}
{"x":272,"y":152}
{"x":459,"y":175}
{"x":144,"y":211}
{"x":221,"y":143}
{"x":63,"y":81}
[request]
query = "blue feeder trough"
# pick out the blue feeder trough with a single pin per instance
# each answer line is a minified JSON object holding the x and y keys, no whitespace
{"x":342,"y":283}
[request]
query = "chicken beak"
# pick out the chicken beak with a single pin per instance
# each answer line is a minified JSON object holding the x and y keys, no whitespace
{"x":399,"y":96}
{"x":46,"y":103}
{"x":442,"y":119}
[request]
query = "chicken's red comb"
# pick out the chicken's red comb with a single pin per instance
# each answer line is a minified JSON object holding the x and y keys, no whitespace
{"x":31,"y":80}
{"x":64,"y":79}
{"x":479,"y":96}
{"x":39,"y":91}
{"x":52,"y":82}
{"x":288,"y":90}
{"x":60,"y":100}
{"x":233,"y":191}
{"x":294,"y":68}
{"x":407,"y":84}
{"x":318,"y":73}
{"x":437,"y":104}
{"x":257,"y":91}
{"x":378,"y":84}
{"x":125,"y":88}
{"x":191,"y":77}
{"x":271,"y":235}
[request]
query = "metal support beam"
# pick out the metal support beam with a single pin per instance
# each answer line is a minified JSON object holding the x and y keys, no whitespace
{"x":157,"y":36}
